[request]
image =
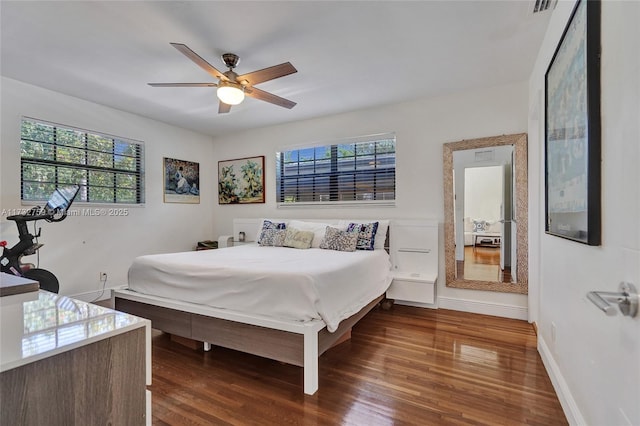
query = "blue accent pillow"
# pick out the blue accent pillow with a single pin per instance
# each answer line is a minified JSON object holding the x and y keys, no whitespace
{"x":366,"y":234}
{"x":270,"y":235}
{"x":479,"y":226}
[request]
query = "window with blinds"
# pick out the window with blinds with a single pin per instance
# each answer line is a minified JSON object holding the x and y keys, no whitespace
{"x":109,"y":169}
{"x":356,"y":171}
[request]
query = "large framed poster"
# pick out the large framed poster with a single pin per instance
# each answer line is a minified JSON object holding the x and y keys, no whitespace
{"x":572,"y":136}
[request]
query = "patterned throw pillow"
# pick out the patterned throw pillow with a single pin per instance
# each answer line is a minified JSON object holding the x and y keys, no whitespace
{"x":479,"y":225}
{"x":366,"y":234}
{"x":269,"y":232}
{"x":278,"y":237}
{"x":298,"y":239}
{"x":337,"y":239}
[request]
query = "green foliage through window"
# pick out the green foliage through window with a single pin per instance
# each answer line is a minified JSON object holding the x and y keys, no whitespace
{"x":109,"y":169}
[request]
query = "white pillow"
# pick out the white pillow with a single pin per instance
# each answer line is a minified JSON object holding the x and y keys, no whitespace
{"x":317,"y":228}
{"x":381,"y":233}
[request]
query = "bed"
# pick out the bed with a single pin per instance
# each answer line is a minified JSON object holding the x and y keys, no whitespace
{"x":282,"y":303}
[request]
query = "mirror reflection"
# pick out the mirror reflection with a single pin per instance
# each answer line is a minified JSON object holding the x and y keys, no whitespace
{"x":485,"y":213}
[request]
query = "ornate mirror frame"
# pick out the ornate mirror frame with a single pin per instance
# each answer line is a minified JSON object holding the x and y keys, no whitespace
{"x":519,"y":142}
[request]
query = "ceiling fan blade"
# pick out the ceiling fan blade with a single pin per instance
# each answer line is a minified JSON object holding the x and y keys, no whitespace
{"x":199,"y":61}
{"x":268,"y":97}
{"x":223,"y":108}
{"x":183,"y":84}
{"x":267,"y":74}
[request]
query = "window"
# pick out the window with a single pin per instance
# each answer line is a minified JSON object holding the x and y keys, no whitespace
{"x":357,"y":171}
{"x":109,"y":169}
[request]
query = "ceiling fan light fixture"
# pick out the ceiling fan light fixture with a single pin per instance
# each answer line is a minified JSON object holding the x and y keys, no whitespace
{"x":230,"y":93}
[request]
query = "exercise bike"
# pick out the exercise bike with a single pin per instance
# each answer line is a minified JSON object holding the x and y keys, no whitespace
{"x":54,"y":211}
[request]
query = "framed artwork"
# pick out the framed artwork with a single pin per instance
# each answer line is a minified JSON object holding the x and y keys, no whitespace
{"x":572,"y":130}
{"x":241,"y":181}
{"x":181,"y":181}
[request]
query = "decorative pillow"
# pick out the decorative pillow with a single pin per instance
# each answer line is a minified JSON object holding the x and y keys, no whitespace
{"x":269,"y":232}
{"x":383,"y":225}
{"x":298,"y":239}
{"x":282,"y":223}
{"x":479,"y":225}
{"x":366,"y":234}
{"x":317,"y":228}
{"x":278,"y":237}
{"x":337,"y":239}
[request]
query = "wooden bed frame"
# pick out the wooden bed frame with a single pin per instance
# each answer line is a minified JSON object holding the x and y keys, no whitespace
{"x":292,"y":342}
{"x":297,"y":343}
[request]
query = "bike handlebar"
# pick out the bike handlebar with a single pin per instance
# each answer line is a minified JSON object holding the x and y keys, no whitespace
{"x":37,"y":213}
{"x":28,"y":217}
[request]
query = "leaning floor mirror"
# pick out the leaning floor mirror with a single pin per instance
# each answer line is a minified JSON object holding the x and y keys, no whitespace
{"x":485,"y":206}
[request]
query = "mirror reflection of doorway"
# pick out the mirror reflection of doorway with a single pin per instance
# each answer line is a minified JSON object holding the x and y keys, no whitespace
{"x":484,"y":218}
{"x":484,"y":253}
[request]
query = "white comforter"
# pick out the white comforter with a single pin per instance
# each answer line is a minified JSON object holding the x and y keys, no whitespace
{"x":286,"y":283}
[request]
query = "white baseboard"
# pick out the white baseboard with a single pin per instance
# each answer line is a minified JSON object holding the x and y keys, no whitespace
{"x":94,"y":296}
{"x":569,"y":406}
{"x":486,"y":308}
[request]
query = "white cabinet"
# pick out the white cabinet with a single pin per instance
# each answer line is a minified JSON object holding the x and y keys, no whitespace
{"x":413,"y":248}
{"x":413,"y":287}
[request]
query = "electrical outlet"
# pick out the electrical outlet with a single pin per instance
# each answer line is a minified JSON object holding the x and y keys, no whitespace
{"x":103,"y":276}
{"x":553,"y":332}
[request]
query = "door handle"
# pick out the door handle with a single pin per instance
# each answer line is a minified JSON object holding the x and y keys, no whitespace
{"x":626,"y":298}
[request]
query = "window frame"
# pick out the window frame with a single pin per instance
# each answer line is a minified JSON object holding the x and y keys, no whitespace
{"x":335,"y":175}
{"x":84,"y":137}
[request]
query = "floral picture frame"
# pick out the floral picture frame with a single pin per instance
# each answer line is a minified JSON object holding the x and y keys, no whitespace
{"x":241,"y":181}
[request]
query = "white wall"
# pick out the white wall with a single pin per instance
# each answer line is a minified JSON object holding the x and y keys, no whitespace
{"x":593,"y":360}
{"x":421,"y":127}
{"x":483,"y":192}
{"x":78,"y":248}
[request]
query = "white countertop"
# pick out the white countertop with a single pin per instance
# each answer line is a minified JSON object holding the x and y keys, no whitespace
{"x":41,"y":324}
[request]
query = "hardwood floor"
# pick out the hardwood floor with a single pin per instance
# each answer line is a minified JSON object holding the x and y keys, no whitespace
{"x":483,"y":264}
{"x":405,"y":366}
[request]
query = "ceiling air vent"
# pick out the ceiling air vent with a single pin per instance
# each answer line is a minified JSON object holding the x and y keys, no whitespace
{"x":542,"y":5}
{"x":484,"y":155}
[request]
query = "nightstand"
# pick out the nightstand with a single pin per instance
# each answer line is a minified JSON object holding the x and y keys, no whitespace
{"x":414,"y":256}
{"x":413,"y":287}
{"x":228,"y":241}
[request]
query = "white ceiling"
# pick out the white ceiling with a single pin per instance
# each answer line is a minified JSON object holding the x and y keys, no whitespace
{"x":349,"y":55}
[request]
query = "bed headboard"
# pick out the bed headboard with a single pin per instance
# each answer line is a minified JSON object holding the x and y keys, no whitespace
{"x":412,"y":243}
{"x":252,"y":226}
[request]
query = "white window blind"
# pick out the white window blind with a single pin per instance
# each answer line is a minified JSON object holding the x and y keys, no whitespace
{"x":109,"y":169}
{"x":355,"y":171}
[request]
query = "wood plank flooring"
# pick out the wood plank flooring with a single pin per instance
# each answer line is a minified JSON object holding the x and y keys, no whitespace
{"x":405,"y":366}
{"x":482,"y":264}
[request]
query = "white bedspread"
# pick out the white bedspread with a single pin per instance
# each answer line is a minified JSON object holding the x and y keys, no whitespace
{"x":286,"y":283}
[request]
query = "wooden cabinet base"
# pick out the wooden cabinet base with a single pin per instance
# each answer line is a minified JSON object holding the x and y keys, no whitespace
{"x":97,"y":384}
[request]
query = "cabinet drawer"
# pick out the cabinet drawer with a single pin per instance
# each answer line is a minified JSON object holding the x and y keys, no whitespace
{"x":412,"y":291}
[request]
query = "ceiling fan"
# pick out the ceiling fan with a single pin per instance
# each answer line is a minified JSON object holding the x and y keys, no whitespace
{"x":232,"y":87}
